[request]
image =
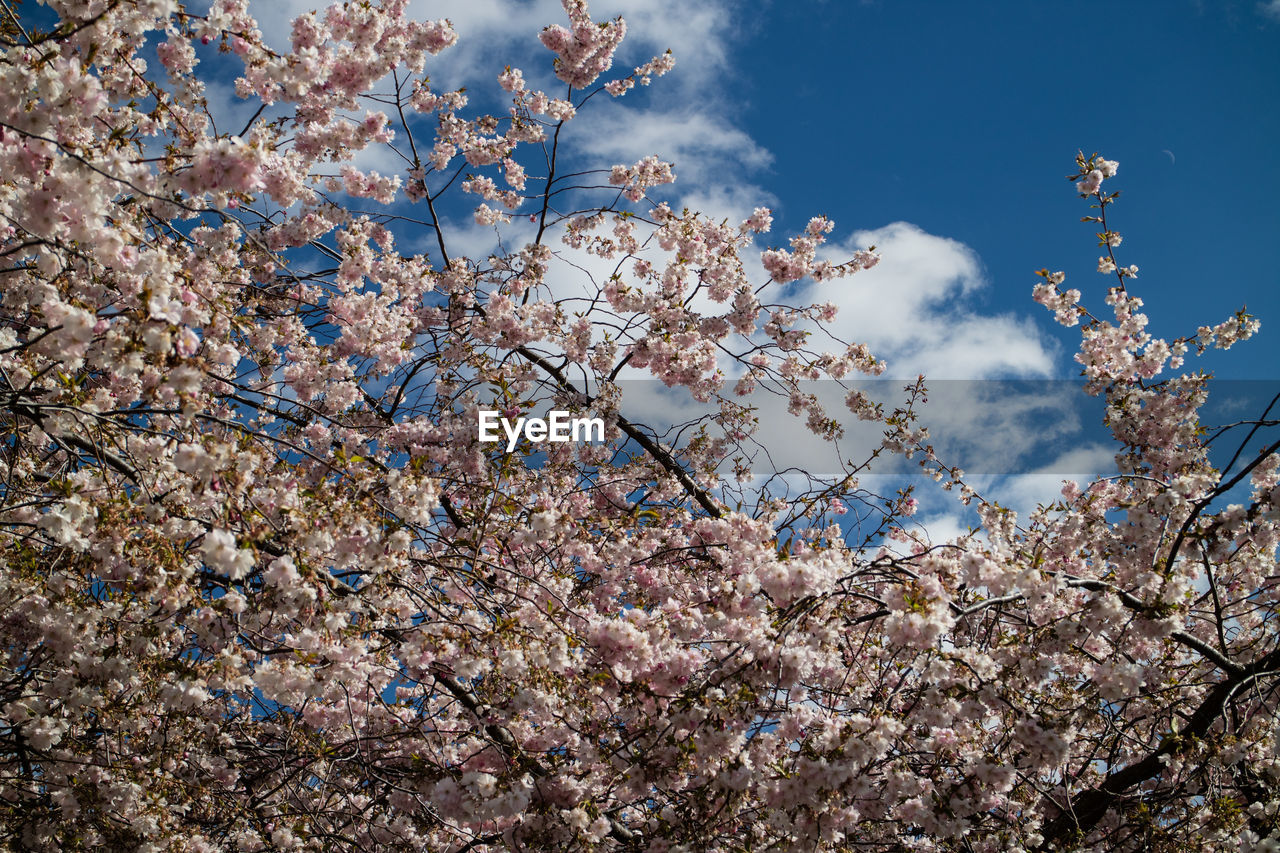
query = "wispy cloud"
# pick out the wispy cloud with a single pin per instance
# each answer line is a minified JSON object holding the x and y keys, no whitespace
{"x":1271,"y":9}
{"x":910,"y":309}
{"x":702,"y":144}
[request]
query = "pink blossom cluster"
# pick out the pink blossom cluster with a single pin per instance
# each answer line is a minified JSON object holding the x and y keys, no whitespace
{"x":649,"y":172}
{"x":643,"y":75}
{"x":585,"y":49}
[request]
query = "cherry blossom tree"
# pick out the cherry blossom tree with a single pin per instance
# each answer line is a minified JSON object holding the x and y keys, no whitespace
{"x":263,"y":587}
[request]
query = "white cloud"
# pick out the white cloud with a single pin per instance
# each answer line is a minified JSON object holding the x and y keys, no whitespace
{"x":275,"y":18}
{"x":1271,"y":9}
{"x":733,"y":201}
{"x":1023,"y":493}
{"x":909,"y":309}
{"x":1001,"y":427}
{"x":696,"y":33}
{"x":230,"y":112}
{"x":943,"y":527}
{"x":700,"y":143}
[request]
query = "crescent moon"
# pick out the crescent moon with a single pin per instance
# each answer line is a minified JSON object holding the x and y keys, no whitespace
{"x":1172,"y":160}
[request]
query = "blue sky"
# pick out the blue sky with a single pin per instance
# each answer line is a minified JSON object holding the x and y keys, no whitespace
{"x":962,"y":118}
